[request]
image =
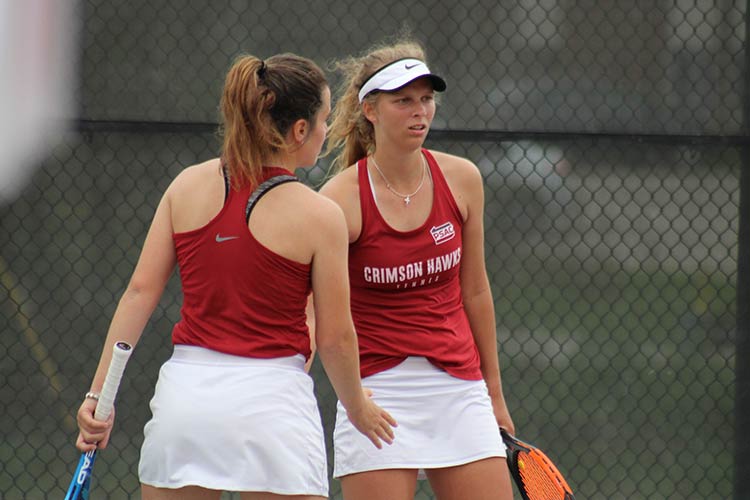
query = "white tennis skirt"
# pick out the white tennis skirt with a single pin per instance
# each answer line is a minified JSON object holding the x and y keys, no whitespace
{"x":443,"y":421}
{"x":232,"y":423}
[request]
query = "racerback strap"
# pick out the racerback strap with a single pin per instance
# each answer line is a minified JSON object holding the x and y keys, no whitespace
{"x":226,"y":182}
{"x":265,"y":187}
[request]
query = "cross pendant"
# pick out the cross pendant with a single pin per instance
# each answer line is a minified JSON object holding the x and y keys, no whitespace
{"x":407,"y":200}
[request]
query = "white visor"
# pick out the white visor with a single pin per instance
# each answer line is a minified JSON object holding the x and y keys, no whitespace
{"x":397,"y":74}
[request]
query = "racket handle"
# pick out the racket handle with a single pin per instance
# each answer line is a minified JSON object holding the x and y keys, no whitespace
{"x":120,"y":353}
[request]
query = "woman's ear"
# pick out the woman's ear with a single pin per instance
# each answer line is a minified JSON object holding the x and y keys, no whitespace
{"x":300,"y":129}
{"x":368,"y":109}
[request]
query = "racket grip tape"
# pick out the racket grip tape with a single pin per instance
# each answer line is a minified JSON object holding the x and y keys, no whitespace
{"x":120,"y":354}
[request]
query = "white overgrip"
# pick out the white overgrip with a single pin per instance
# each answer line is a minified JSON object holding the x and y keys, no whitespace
{"x":120,"y":354}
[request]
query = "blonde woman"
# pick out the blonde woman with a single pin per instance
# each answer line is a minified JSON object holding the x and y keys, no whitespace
{"x":421,"y":299}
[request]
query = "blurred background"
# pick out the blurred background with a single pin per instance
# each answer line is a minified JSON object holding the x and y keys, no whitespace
{"x":613,"y":138}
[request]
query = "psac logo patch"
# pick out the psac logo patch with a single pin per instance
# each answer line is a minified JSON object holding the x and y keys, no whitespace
{"x":442,"y":233}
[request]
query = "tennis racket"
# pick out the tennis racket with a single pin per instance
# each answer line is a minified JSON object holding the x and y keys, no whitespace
{"x":79,"y":485}
{"x":535,"y":475}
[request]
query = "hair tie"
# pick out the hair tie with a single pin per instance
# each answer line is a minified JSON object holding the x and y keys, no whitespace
{"x":262,"y":69}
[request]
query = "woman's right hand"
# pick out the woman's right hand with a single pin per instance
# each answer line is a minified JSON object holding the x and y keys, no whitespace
{"x":92,"y":433}
{"x":372,"y":421}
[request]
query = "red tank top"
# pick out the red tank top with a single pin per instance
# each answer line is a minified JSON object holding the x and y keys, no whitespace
{"x":239,"y":297}
{"x":406,"y":293}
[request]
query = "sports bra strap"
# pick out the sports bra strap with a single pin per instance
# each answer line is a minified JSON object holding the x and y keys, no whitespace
{"x":225,"y":171}
{"x":265,"y":187}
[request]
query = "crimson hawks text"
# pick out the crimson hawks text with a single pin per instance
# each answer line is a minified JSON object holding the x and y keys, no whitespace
{"x":415,"y":273}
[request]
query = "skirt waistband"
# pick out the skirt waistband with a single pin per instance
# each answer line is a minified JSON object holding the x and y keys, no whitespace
{"x":200,"y":355}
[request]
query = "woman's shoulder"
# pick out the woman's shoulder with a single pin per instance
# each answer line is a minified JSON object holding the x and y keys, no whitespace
{"x":456,"y":169}
{"x":315,"y":204}
{"x":196,"y":176}
{"x":343,"y":187}
{"x":309,"y":212}
{"x":344,"y":179}
{"x":449,"y":161}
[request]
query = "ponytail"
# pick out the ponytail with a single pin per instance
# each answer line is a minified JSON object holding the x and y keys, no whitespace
{"x":260,"y":102}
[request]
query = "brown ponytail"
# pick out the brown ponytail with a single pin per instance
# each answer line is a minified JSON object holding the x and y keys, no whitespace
{"x":260,"y":102}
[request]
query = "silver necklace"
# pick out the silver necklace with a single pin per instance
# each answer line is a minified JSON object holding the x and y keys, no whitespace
{"x":405,"y":197}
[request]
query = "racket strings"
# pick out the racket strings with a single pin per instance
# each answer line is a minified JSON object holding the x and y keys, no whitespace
{"x":553,"y":470}
{"x":540,"y":479}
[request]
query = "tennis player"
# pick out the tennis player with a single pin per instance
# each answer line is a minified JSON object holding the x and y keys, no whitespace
{"x":234,"y":409}
{"x":421,"y":299}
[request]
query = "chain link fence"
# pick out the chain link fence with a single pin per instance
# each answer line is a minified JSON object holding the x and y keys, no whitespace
{"x":610,"y":135}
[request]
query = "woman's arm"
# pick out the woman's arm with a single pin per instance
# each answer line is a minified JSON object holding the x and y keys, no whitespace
{"x":476,"y":291}
{"x":155,"y":265}
{"x":334,"y":329}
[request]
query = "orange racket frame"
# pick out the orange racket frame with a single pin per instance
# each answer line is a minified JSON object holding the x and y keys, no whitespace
{"x":535,"y":475}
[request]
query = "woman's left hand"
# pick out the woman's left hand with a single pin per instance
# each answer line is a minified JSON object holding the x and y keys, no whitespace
{"x":502,"y":415}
